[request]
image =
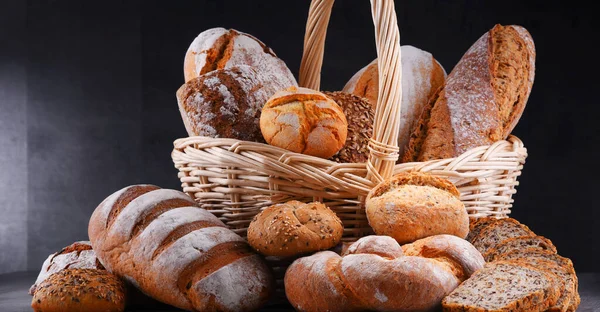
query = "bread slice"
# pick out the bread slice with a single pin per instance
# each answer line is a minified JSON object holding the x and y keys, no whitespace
{"x":563,"y":267}
{"x":504,"y":286}
{"x":521,"y":242}
{"x":478,"y":224}
{"x":497,"y":232}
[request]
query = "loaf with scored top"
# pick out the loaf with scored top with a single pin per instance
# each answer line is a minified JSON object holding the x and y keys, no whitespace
{"x":176,"y":252}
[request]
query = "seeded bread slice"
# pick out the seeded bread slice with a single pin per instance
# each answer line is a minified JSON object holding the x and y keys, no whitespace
{"x":478,"y":224}
{"x":504,"y":286}
{"x":495,"y":233}
{"x":570,"y":297}
{"x":521,"y":242}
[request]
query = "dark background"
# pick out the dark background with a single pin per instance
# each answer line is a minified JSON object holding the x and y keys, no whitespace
{"x":87,"y":102}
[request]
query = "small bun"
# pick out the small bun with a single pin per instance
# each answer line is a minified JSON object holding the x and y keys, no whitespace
{"x":411,"y":206}
{"x":80,"y":290}
{"x":294,"y":228}
{"x":359,"y":114}
{"x":304,"y":121}
{"x":220,"y":48}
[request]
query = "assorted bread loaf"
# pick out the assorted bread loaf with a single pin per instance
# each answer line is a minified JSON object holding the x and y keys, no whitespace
{"x":377,"y":274}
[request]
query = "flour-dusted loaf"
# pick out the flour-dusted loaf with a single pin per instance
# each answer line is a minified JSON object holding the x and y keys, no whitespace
{"x":226,"y":103}
{"x":422,"y":76}
{"x":482,"y":98}
{"x":78,"y":255}
{"x":220,"y":48}
{"x":414,"y":205}
{"x":176,"y":252}
{"x":505,"y":286}
{"x":294,"y":228}
{"x":375,"y":274}
{"x":80,"y":290}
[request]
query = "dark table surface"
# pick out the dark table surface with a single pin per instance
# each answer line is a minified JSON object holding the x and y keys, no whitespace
{"x":14,"y":297}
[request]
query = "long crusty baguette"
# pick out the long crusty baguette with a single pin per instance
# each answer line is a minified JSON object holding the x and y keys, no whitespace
{"x":482,"y":99}
{"x":377,"y":274}
{"x":177,"y":252}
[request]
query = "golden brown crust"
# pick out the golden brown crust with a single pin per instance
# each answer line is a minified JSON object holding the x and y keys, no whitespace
{"x":482,"y":98}
{"x":411,"y":206}
{"x":294,"y":228}
{"x":80,"y":290}
{"x":304,"y":121}
{"x":359,"y":114}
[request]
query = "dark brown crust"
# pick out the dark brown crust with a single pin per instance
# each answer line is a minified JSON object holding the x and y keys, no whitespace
{"x":414,"y":178}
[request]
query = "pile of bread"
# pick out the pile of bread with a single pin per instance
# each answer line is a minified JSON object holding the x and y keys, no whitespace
{"x":150,"y":245}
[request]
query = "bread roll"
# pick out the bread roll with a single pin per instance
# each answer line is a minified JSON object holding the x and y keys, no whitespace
{"x":422,"y":76}
{"x":177,"y":252}
{"x":226,"y":103}
{"x":304,"y":121}
{"x":359,"y":115}
{"x":80,"y":290}
{"x":410,"y":206}
{"x":219,"y":48}
{"x":294,"y":228}
{"x":375,"y":274}
{"x":482,"y":98}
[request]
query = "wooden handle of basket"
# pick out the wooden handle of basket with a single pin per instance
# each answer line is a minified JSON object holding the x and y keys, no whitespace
{"x":383,"y":147}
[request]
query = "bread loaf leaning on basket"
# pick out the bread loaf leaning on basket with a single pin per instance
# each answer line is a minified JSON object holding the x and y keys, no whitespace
{"x":235,"y":179}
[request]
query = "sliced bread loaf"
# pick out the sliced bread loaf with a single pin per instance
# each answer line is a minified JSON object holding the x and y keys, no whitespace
{"x":495,"y":233}
{"x":504,"y":286}
{"x":550,"y":261}
{"x":521,"y":242}
{"x":478,"y":224}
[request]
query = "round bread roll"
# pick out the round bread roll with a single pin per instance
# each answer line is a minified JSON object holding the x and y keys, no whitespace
{"x":415,"y":205}
{"x":422,"y":76}
{"x":304,"y":121}
{"x":226,"y":103}
{"x":219,"y":48}
{"x":80,"y":290}
{"x":294,"y":228}
{"x":360,"y":114}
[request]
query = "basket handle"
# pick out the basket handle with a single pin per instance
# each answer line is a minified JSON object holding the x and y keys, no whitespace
{"x":383,"y":146}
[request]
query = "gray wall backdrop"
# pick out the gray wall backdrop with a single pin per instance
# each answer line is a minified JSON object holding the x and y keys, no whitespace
{"x":87,"y":102}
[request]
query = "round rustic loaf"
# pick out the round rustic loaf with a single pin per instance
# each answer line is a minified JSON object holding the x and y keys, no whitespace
{"x":414,"y":205}
{"x":377,"y":274}
{"x":304,"y":121}
{"x":220,"y":48}
{"x":80,"y":290}
{"x":359,"y":114}
{"x":422,"y":76}
{"x":226,"y":103}
{"x":294,"y":228}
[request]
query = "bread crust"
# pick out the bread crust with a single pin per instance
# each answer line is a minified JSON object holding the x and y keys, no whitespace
{"x":482,"y":98}
{"x":375,"y":274}
{"x":80,"y":290}
{"x":414,"y":205}
{"x":294,"y":228}
{"x":304,"y":121}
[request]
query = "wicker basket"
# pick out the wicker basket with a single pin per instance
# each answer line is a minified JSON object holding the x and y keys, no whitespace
{"x":235,"y":179}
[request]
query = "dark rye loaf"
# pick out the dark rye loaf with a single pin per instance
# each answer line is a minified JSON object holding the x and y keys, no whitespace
{"x":482,"y":98}
{"x":505,"y":286}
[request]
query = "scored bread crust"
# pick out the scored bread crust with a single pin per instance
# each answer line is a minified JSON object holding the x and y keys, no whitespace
{"x":375,"y":274}
{"x":176,"y":252}
{"x":294,"y":228}
{"x":410,"y":206}
{"x":482,"y":98}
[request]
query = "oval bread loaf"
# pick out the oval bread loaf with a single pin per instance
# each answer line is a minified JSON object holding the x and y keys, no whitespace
{"x":176,"y":252}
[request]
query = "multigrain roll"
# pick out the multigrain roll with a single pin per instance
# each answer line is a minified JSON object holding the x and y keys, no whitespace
{"x":80,"y":290}
{"x":294,"y":228}
{"x":220,"y":48}
{"x":482,"y":98}
{"x":422,"y":76}
{"x":226,"y":103}
{"x":410,"y":206}
{"x":304,"y":121}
